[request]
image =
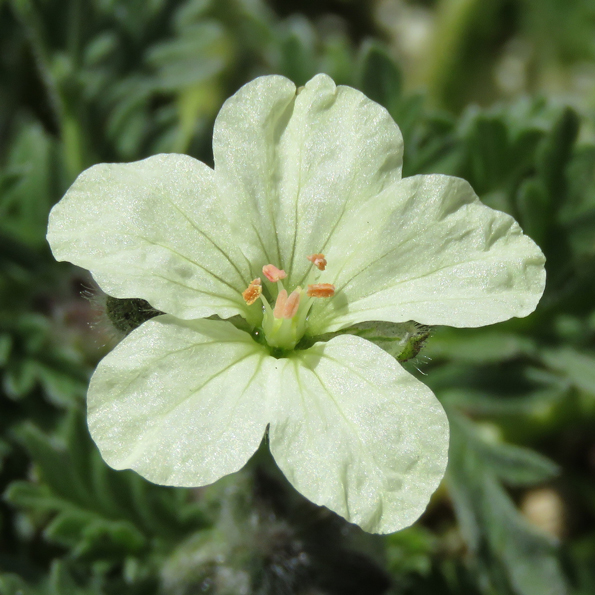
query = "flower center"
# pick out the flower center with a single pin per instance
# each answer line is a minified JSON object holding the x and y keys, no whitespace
{"x":284,"y":324}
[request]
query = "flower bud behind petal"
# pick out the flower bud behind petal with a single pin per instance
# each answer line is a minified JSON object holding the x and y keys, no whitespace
{"x":127,"y":314}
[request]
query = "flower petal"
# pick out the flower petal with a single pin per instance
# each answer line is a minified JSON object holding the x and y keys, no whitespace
{"x":428,"y":250}
{"x":293,"y":165}
{"x":356,"y":433}
{"x":153,"y":229}
{"x":180,"y":402}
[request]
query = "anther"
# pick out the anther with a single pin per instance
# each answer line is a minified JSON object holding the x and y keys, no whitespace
{"x":318,"y":260}
{"x":321,"y":290}
{"x":252,"y":293}
{"x":272,"y":273}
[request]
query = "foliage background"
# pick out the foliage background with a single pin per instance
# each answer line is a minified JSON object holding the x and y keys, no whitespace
{"x":500,"y":92}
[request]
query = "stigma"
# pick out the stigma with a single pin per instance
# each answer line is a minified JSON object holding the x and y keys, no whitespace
{"x":287,"y":306}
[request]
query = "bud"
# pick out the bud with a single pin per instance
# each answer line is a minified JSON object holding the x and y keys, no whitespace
{"x":127,"y":314}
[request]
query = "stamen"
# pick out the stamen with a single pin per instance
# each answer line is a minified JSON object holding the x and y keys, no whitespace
{"x":280,"y":304}
{"x":321,"y":290}
{"x":272,"y":273}
{"x":253,"y":291}
{"x":266,"y":305}
{"x":318,"y":260}
{"x":292,"y":304}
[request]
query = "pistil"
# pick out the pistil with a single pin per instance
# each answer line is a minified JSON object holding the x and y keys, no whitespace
{"x":292,"y":304}
{"x":280,"y":304}
{"x":285,"y":324}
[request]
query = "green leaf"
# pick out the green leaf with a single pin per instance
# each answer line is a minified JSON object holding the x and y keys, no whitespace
{"x":15,"y":252}
{"x":20,"y":378}
{"x":508,"y":552}
{"x":486,"y":137}
{"x":529,"y":410}
{"x":61,"y":388}
{"x":111,"y":540}
{"x":62,"y":583}
{"x":337,"y":60}
{"x":129,"y":122}
{"x":79,"y":446}
{"x":524,"y":145}
{"x":514,"y":465}
{"x":410,"y":551}
{"x":298,"y":61}
{"x":36,"y":358}
{"x":199,"y":53}
{"x":5,"y":449}
{"x":378,"y":76}
{"x":34,"y":329}
{"x":554,"y":154}
{"x":530,"y":559}
{"x":100,"y":513}
{"x":533,"y":205}
{"x":24,"y":494}
{"x":100,"y":48}
{"x":54,"y":464}
{"x":12,"y":584}
{"x":431,"y":147}
{"x":478,"y":346}
{"x":24,"y":206}
{"x":581,"y":185}
{"x":5,"y":348}
{"x":576,"y":366}
{"x":66,"y":528}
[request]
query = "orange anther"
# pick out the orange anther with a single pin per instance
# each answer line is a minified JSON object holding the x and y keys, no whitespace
{"x":252,"y":293}
{"x":318,"y":260}
{"x":321,"y":290}
{"x":272,"y":273}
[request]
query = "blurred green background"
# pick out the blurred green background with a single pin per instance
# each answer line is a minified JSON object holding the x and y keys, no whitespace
{"x":500,"y":92}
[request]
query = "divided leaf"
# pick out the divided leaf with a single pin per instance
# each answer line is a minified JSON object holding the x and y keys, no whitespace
{"x":509,"y":554}
{"x":98,"y":513}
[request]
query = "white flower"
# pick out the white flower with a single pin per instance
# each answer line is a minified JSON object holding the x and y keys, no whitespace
{"x":302,"y":179}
